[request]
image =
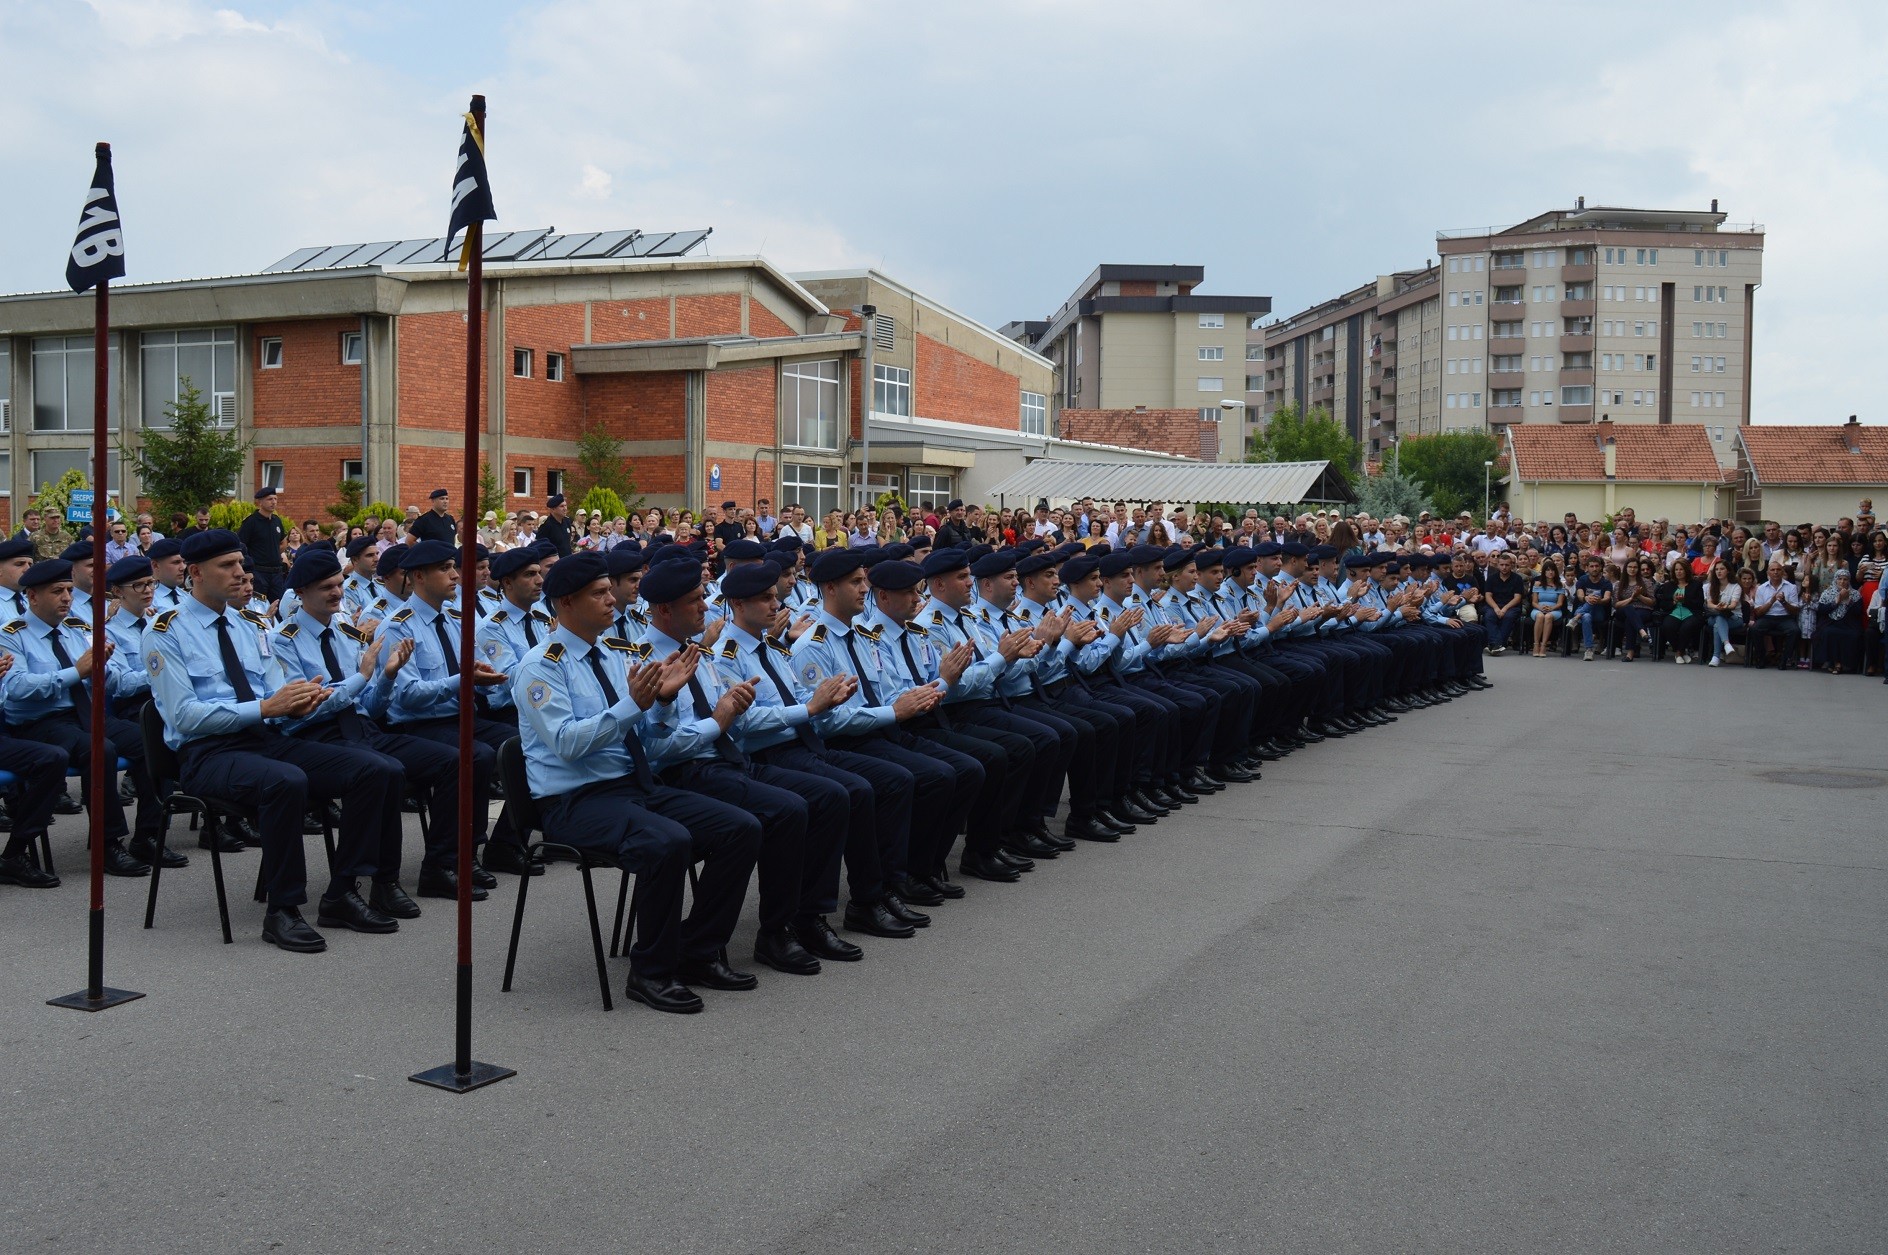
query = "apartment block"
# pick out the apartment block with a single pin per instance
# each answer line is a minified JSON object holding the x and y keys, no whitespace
{"x":1144,"y":336}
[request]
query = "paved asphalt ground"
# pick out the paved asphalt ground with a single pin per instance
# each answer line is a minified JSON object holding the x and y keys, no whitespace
{"x":1596,"y":961}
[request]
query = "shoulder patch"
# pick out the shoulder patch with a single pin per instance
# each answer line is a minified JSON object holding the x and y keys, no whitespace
{"x":728,"y":650}
{"x":290,"y":630}
{"x":403,"y":614}
{"x":355,"y":634}
{"x":255,"y":618}
{"x":498,"y":616}
{"x":917,"y":629}
{"x":779,"y":647}
{"x":638,"y":615}
{"x":19,"y":625}
{"x":76,"y":622}
{"x":540,"y":616}
{"x":819,"y":633}
{"x":642,"y":649}
{"x":867,"y":633}
{"x":554,"y":652}
{"x":453,"y":611}
{"x":161,"y":623}
{"x":617,"y":643}
{"x":937,"y":616}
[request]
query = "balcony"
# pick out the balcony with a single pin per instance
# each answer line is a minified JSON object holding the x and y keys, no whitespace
{"x":1575,"y":413}
{"x":1506,"y":311}
{"x":1323,"y":395}
{"x":1573,"y":376}
{"x":1505,"y":379}
{"x":1376,"y":406}
{"x":1579,"y":274}
{"x":1388,"y":413}
{"x":1506,"y":344}
{"x":1579,"y":309}
{"x":1508,"y":272}
{"x":1577,"y":343}
{"x":1500,"y":414}
{"x":1386,"y":358}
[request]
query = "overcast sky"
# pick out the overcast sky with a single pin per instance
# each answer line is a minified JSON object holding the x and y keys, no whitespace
{"x":989,"y":155}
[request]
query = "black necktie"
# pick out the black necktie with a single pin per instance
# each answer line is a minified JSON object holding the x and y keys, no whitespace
{"x":632,"y":743}
{"x":802,"y":731}
{"x":970,"y":635}
{"x":445,"y":645}
{"x":858,"y":669}
{"x":19,"y":603}
{"x":1035,"y":677}
{"x":911,"y":663}
{"x":81,"y":700}
{"x":232,"y":662}
{"x":350,"y":720}
{"x":531,"y":634}
{"x":725,"y":748}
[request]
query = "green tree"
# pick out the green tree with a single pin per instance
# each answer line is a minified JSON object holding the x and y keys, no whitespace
{"x":55,"y":497}
{"x":491,"y":496}
{"x":1381,"y":496}
{"x":604,"y":502}
{"x":351,"y":490}
{"x":1309,"y":436}
{"x":601,"y":464}
{"x":230,"y":514}
{"x":193,"y":464}
{"x":1451,"y":466}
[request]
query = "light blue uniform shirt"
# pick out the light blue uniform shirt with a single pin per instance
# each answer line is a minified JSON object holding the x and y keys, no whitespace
{"x":425,"y":687}
{"x":126,"y":632}
{"x":572,"y":735}
{"x":771,"y":720}
{"x":1098,"y":653}
{"x":821,"y":652}
{"x":631,"y":623}
{"x":12,"y":605}
{"x":950,"y":628}
{"x":188,"y":682}
{"x":1053,"y":663}
{"x":358,"y":592}
{"x":297,"y":647}
{"x":889,"y":642}
{"x":672,"y":732}
{"x":503,"y":642}
{"x":1132,"y":656}
{"x":39,"y":684}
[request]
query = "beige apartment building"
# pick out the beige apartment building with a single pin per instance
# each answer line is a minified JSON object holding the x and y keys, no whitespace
{"x":1143,"y":336}
{"x":1640,"y":315}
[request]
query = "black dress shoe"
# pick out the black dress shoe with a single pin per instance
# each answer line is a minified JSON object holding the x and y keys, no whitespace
{"x":350,"y":910}
{"x":913,"y":890}
{"x":809,"y":941}
{"x":1029,"y":846}
{"x":149,"y":852}
{"x":1181,"y":794}
{"x":1090,"y":829}
{"x":1106,"y":817}
{"x":662,"y":995}
{"x":18,"y":870}
{"x":1480,"y":682}
{"x":312,"y":825}
{"x":875,"y":919}
{"x":1395,"y":705}
{"x":227,"y":841}
{"x":902,"y":911}
{"x":986,"y":867}
{"x":503,"y":856}
{"x":1145,"y":802}
{"x":246,"y":831}
{"x":482,"y":879}
{"x":715,"y":974}
{"x":1231,"y":773}
{"x":1132,"y":814}
{"x":1202,"y":783}
{"x":1010,"y":859}
{"x":118,"y":860}
{"x":1308,"y":734}
{"x":285,"y":928}
{"x":67,"y":805}
{"x":389,"y":898}
{"x":940,"y":883}
{"x":443,"y":882}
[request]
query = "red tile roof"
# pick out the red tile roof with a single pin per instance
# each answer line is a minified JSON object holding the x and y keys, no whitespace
{"x":1161,"y":431}
{"x":1680,"y":453}
{"x":1816,"y":455}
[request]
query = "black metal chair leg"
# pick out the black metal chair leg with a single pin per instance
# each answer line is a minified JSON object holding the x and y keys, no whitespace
{"x":216,"y":869}
{"x":157,"y":870}
{"x":45,"y":853}
{"x":596,"y":935}
{"x":517,"y":926}
{"x":616,"y":929}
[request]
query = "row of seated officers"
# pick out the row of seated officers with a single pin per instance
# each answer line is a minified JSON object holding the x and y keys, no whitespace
{"x":851,"y":720}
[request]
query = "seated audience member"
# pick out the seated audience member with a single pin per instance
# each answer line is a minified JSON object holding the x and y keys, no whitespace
{"x":1503,"y":598}
{"x":1550,"y":605}
{"x":1592,"y":602}
{"x":1681,"y":612}
{"x":1723,"y":606}
{"x":1771,"y":616}
{"x":1838,"y":640}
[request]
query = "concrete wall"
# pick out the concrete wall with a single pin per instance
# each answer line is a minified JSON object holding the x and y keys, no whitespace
{"x":1681,"y":503}
{"x":1820,"y":505}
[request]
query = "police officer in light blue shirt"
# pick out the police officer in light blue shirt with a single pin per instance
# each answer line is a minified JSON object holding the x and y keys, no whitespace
{"x":48,"y":698}
{"x":221,"y":698}
{"x":167,"y":564}
{"x":86,"y":590}
{"x":360,"y":590}
{"x":515,"y":626}
{"x":131,"y":581}
{"x":579,"y":696}
{"x":426,"y":691}
{"x":626,"y":564}
{"x":16,"y":555}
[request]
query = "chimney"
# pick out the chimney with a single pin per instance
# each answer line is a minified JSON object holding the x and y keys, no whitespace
{"x":1609,"y":448}
{"x":1140,"y":409}
{"x":1579,"y":202}
{"x":1852,"y":435}
{"x":1714,"y":204}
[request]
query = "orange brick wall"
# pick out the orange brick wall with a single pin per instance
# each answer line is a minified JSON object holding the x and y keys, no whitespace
{"x":311,"y":475}
{"x":762,"y":321}
{"x":955,"y":386}
{"x":311,"y":388}
{"x":708,"y":315}
{"x":423,"y":468}
{"x":1137,"y":287}
{"x":741,"y":410}
{"x":537,"y":407}
{"x":614,"y":322}
{"x":432,"y":372}
{"x":638,"y":406}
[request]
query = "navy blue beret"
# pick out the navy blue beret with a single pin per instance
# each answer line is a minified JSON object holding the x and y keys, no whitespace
{"x":355,"y":547}
{"x":1033,"y":563}
{"x":576,"y":573}
{"x":626,"y":560}
{"x":1395,"y":568}
{"x":311,"y":567}
{"x":1116,"y":564}
{"x":123,"y":571}
{"x":512,"y":561}
{"x":1238,"y":556}
{"x":1146,"y":555}
{"x":666,"y":581}
{"x":437,"y":493}
{"x":428,"y":553}
{"x":993,"y":564}
{"x":898,"y":552}
{"x":264,"y":491}
{"x":1177,"y":559}
{"x":77,"y":552}
{"x":943,"y":561}
{"x":545,"y":549}
{"x":751,"y":580}
{"x":214,"y":543}
{"x":554,"y":500}
{"x":744,"y":551}
{"x":1267,"y":549}
{"x":1100,"y":549}
{"x":835,"y":564}
{"x":955,"y":505}
{"x":667,"y":553}
{"x":895,"y":575}
{"x":977,"y":551}
{"x":1292,"y":549}
{"x":1358,"y":561}
{"x":919,"y":545}
{"x":169,"y":547}
{"x":1080,"y":567}
{"x":50,"y":571}
{"x":1209,"y":558}
{"x":872,"y":555}
{"x":1381,"y":557}
{"x":789,"y":543}
{"x":1031,"y":545}
{"x":18,"y":547}
{"x":1320,"y":553}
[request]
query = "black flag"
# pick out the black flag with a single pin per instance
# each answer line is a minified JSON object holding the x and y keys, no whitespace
{"x":471,"y":192}
{"x":98,"y":251}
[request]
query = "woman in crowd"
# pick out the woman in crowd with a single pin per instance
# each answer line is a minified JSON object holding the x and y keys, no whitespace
{"x":1560,"y":545}
{"x":831,"y":533}
{"x":1681,"y":612}
{"x":592,"y":537}
{"x":1723,"y":607}
{"x":1633,"y":602}
{"x":1550,"y":596}
{"x":1619,"y":550}
{"x":1838,"y":644}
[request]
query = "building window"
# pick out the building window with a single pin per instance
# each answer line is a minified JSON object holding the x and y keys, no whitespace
{"x":1212,"y":353}
{"x":816,"y":488}
{"x":1210,"y":383}
{"x":1255,"y":353}
{"x":1035,"y":414}
{"x":271,"y":352}
{"x":62,"y":385}
{"x":811,"y":404}
{"x":521,"y":481}
{"x":891,"y":390}
{"x":6,"y":389}
{"x":1212,"y":322}
{"x":1577,"y":394}
{"x":269,"y":475}
{"x":926,"y":492}
{"x":6,"y":474}
{"x":353,"y":468}
{"x":206,"y":357}
{"x":353,"y":348}
{"x":521,"y":363}
{"x":554,"y":367}
{"x":1255,"y":383}
{"x":49,"y":464}
{"x":553,"y":483}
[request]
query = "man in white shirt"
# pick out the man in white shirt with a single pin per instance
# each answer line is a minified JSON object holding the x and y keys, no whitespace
{"x":1776,"y":603}
{"x":1044,"y":524}
{"x":1494,"y":540}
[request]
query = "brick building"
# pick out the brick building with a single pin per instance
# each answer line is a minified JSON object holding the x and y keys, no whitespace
{"x":723,"y":377}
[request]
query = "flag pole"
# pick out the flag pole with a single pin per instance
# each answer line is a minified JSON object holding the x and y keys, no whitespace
{"x":95,"y":997}
{"x":464,"y":1073}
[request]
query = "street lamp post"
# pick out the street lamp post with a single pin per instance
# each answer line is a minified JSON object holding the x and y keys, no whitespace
{"x":1488,"y":474}
{"x":1229,"y":405}
{"x":868,"y":318}
{"x":1396,"y":457}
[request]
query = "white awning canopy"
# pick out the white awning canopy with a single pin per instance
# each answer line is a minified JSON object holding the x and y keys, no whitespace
{"x":1277,"y":483}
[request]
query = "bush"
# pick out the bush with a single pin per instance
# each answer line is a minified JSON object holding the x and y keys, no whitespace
{"x":344,"y":510}
{"x":57,"y":496}
{"x":1382,"y":496}
{"x":379,"y":510}
{"x":603,"y":501}
{"x":230,"y":514}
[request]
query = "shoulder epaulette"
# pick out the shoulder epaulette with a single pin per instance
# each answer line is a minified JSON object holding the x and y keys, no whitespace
{"x":255,"y":618}
{"x":913,"y":627}
{"x":161,"y":623}
{"x":403,"y":614}
{"x":867,"y":633}
{"x":937,"y":616}
{"x":1103,"y":612}
{"x":498,"y":616}
{"x":355,"y":634}
{"x":290,"y":629}
{"x":638,"y":615}
{"x":453,"y":611}
{"x":76,"y":622}
{"x":540,"y":616}
{"x":728,"y":650}
{"x":18,"y":625}
{"x":642,"y":649}
{"x":720,"y":599}
{"x":778,"y":646}
{"x":617,"y":643}
{"x":554,"y":652}
{"x":819,"y":633}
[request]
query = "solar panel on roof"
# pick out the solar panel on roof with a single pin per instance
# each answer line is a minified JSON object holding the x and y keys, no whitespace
{"x":368,"y":254}
{"x":647,"y":244}
{"x":536,"y":244}
{"x":293,"y":261}
{"x":566,"y":245}
{"x":328,"y":257}
{"x":673,"y":244}
{"x":605,"y":244}
{"x":513,"y":244}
